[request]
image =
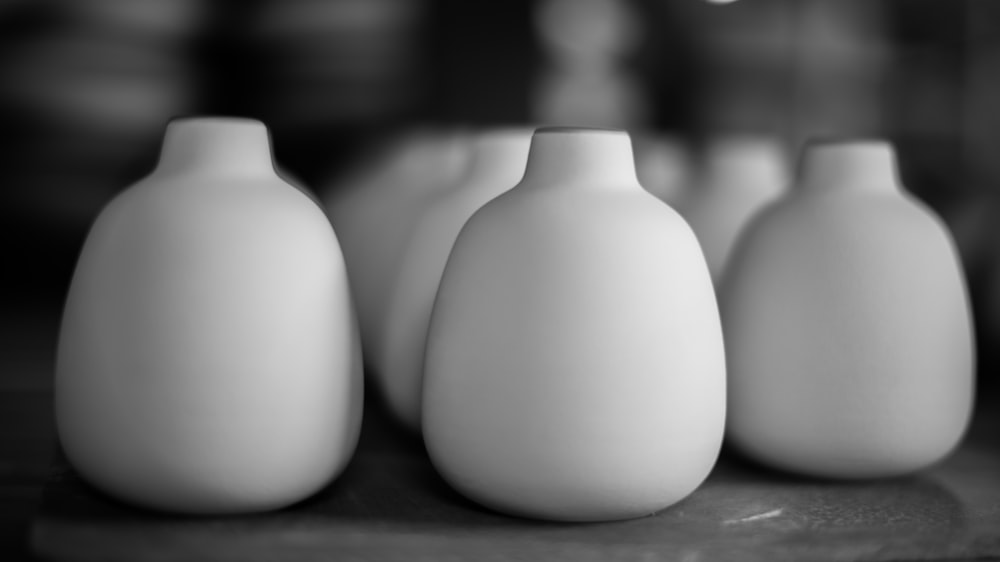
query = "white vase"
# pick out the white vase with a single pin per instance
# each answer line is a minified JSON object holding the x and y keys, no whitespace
{"x":375,"y":208}
{"x":208,"y":358}
{"x":575,"y":367}
{"x":847,"y":324}
{"x":497,"y":160}
{"x":742,"y":175}
{"x":663,"y":166}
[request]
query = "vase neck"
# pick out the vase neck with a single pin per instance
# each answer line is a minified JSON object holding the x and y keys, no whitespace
{"x":581,"y":156}
{"x":217,"y":146}
{"x":498,"y":156}
{"x":747,"y":163}
{"x":855,"y":165}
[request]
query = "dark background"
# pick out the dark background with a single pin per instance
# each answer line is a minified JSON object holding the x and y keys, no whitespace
{"x":87,"y":86}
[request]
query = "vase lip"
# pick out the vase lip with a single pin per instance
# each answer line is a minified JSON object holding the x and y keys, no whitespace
{"x":572,"y":129}
{"x":581,"y":156}
{"x":215,"y":120}
{"x":216,"y":145}
{"x":855,"y":162}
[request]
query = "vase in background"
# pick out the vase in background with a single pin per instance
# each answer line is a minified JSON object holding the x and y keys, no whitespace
{"x":574,"y":367}
{"x":847,"y":324}
{"x":375,"y":207}
{"x":496,"y":163}
{"x":741,"y":175}
{"x":663,"y":166}
{"x":208,"y":359}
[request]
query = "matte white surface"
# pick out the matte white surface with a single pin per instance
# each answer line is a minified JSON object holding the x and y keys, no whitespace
{"x":575,"y":367}
{"x":741,"y":176}
{"x":847,"y":324}
{"x":497,"y":163}
{"x":375,"y":209}
{"x":208,"y":360}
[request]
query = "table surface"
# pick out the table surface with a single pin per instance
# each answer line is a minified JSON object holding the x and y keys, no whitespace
{"x":391,"y":505}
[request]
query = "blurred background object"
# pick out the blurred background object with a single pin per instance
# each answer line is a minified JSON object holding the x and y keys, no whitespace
{"x":87,"y":86}
{"x":741,"y":174}
{"x":584,"y":77}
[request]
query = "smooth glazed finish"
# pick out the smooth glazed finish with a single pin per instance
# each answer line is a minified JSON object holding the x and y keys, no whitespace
{"x":742,"y":175}
{"x":847,"y":324}
{"x":208,"y":359}
{"x":497,"y":163}
{"x":575,"y":368}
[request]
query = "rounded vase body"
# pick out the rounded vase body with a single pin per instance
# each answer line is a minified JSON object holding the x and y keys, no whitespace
{"x":847,"y":324}
{"x":574,"y":367}
{"x":209,"y":360}
{"x":496,"y":164}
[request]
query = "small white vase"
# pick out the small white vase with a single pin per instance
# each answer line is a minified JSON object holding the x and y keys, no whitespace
{"x":208,"y":358}
{"x":575,"y":367}
{"x":742,"y":175}
{"x":375,"y":209}
{"x":663,"y":166}
{"x":847,"y":324}
{"x":497,"y":160}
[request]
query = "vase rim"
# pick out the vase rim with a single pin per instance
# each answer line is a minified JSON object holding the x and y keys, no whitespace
{"x":581,"y":156}
{"x":564,"y":129}
{"x":216,"y":145}
{"x":843,"y":140}
{"x":231,"y":119}
{"x":868,"y":164}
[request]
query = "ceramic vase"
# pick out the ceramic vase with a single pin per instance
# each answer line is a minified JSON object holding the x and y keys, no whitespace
{"x":663,"y":166}
{"x":742,"y":174}
{"x":574,"y":366}
{"x":497,"y":160}
{"x":847,"y":324}
{"x":208,"y":360}
{"x":375,"y":208}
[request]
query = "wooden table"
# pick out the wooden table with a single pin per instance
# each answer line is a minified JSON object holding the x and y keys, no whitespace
{"x":391,"y":505}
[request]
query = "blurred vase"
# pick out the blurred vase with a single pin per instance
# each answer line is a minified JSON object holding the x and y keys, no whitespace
{"x":741,"y":176}
{"x":375,"y":208}
{"x":847,"y":324}
{"x":208,"y":359}
{"x":575,"y":367}
{"x":497,"y":160}
{"x":663,"y":166}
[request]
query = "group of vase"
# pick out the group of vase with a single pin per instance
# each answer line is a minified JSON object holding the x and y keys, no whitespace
{"x":568,"y":345}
